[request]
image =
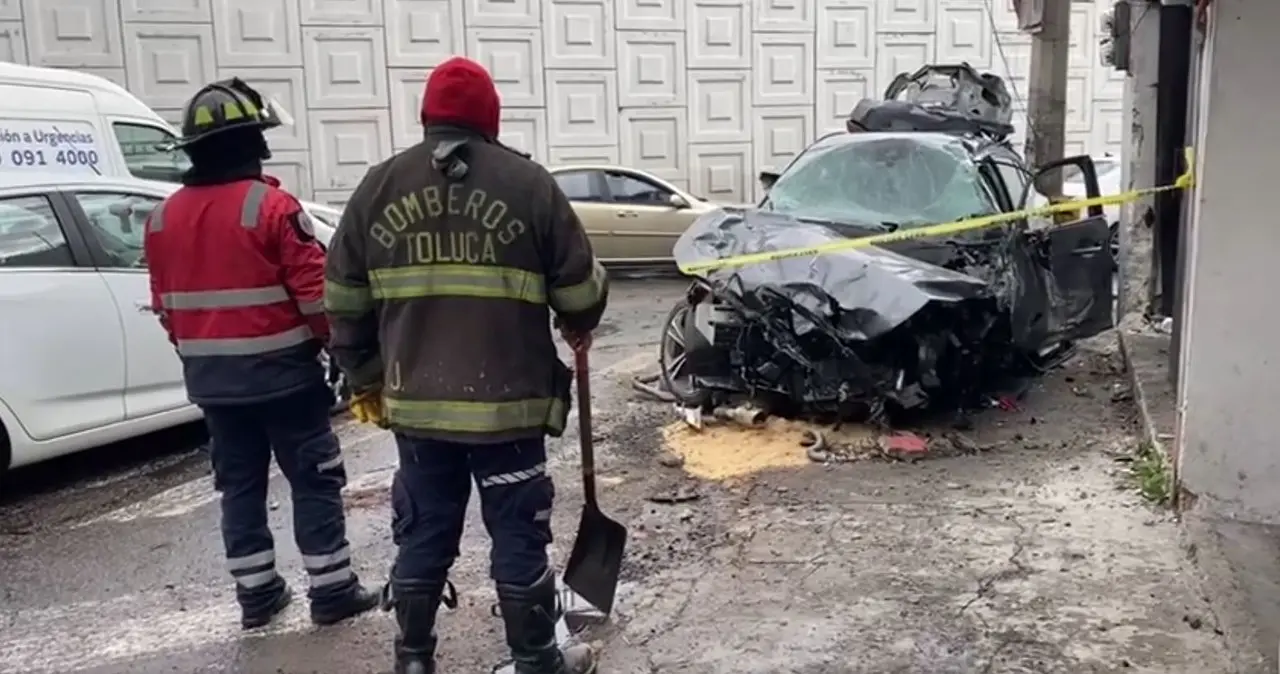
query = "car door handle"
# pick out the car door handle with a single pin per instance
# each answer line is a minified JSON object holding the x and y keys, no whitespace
{"x":628,"y":214}
{"x":144,"y":308}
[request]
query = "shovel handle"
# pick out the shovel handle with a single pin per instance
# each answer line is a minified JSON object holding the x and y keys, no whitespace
{"x":582,"y":372}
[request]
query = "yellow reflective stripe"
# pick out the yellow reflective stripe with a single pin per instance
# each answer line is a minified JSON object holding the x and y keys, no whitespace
{"x":459,"y":416}
{"x":347,"y":299}
{"x":457,"y":280}
{"x":203,"y":116}
{"x":580,"y":296}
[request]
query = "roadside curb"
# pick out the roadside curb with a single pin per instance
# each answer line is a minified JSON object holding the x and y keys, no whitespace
{"x":1249,"y":651}
{"x":1150,"y":433}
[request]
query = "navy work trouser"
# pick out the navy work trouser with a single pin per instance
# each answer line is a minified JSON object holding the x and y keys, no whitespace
{"x":296,"y":429}
{"x":429,"y":498}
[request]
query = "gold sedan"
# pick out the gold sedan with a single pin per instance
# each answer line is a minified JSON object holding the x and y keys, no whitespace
{"x":633,"y":218}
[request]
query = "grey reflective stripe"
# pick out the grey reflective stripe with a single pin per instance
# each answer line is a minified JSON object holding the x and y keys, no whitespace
{"x":333,"y":577}
{"x":245,"y":346}
{"x":255,"y":580}
{"x":156,"y":223}
{"x":321,"y":562}
{"x":225,"y":299}
{"x":514,"y":477}
{"x":314,"y":308}
{"x":542,"y":516}
{"x":330,"y":464}
{"x":252,"y":204}
{"x":251,"y":561}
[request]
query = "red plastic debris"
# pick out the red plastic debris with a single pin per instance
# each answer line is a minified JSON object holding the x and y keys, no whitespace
{"x":1007,"y":403}
{"x":904,"y":445}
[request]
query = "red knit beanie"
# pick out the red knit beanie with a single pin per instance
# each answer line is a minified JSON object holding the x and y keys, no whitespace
{"x":460,"y":91}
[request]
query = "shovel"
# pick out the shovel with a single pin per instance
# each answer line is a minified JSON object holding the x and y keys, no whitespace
{"x":596,"y":561}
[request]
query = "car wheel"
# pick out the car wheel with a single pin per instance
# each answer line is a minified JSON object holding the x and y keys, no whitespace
{"x":337,"y":383}
{"x":671,"y":358}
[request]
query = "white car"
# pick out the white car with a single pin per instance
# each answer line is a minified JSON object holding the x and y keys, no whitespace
{"x":1109,"y":174}
{"x":83,"y":360}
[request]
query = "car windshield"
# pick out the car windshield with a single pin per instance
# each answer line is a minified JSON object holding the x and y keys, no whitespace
{"x":900,"y":180}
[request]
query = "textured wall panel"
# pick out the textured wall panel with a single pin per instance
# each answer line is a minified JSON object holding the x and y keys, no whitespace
{"x":159,"y":11}
{"x":579,"y":33}
{"x":13,"y":42}
{"x":346,"y":68}
{"x":651,"y":69}
{"x":719,"y":34}
{"x":719,"y":106}
{"x":704,"y":93}
{"x":168,"y":62}
{"x":422,"y":33}
{"x":514,"y":57}
{"x":655,"y":140}
{"x":721,"y":172}
{"x":656,"y":15}
{"x":588,"y":101}
{"x":258,"y":33}
{"x":73,"y":33}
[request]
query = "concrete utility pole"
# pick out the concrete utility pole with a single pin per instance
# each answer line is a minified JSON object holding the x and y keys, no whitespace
{"x":1047,"y":102}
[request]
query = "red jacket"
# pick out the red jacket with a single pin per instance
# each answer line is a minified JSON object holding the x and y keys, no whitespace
{"x":237,"y":278}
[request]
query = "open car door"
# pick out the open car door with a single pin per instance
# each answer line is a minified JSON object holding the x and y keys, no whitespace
{"x":1078,"y":263}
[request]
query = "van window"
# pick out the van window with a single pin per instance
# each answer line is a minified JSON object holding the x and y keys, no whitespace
{"x":139,"y":144}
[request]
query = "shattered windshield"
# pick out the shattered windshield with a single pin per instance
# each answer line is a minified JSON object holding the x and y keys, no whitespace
{"x":899,"y":180}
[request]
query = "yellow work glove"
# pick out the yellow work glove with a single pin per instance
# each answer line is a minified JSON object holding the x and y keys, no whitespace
{"x":367,"y":407}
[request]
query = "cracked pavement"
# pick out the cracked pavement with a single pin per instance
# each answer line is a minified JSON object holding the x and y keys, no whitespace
{"x":1031,"y":557}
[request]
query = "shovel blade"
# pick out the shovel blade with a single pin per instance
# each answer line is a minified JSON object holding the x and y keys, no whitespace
{"x":595,"y":564}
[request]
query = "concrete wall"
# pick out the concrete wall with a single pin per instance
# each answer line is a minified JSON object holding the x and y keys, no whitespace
{"x":704,"y":93}
{"x":1229,"y":394}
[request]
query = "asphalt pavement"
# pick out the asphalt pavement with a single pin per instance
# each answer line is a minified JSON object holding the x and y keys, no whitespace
{"x":1030,"y":556}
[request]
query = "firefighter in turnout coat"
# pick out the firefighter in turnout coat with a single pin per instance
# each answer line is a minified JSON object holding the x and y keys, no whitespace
{"x":441,"y":281}
{"x":237,"y":279}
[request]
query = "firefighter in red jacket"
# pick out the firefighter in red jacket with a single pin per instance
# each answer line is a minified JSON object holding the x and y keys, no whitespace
{"x":237,"y":279}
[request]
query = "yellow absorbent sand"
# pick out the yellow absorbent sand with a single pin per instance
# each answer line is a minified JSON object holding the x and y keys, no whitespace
{"x":722,"y":451}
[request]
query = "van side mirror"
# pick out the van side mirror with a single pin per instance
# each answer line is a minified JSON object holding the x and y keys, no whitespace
{"x":767,"y":179}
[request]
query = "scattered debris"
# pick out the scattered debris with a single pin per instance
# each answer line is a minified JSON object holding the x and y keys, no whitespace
{"x":682,"y":493}
{"x":726,"y":451}
{"x":670,"y":460}
{"x":904,"y":446}
{"x":651,"y":385}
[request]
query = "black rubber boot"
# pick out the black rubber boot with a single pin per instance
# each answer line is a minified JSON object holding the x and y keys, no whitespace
{"x":359,"y":600}
{"x":416,"y":604}
{"x":252,"y":617}
{"x":530,"y":614}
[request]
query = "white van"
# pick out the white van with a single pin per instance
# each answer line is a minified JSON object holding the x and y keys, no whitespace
{"x":64,"y":121}
{"x":82,"y":360}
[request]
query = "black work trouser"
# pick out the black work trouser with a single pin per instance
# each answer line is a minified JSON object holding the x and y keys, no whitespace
{"x":296,"y":429}
{"x":429,"y":497}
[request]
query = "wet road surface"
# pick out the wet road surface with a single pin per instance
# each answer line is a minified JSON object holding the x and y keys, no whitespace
{"x":110,"y":561}
{"x":1031,"y":558}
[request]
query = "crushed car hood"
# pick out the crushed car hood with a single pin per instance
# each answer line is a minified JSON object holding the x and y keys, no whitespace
{"x":868,"y":291}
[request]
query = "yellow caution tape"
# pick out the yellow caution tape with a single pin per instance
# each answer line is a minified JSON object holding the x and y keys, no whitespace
{"x":1183,"y":181}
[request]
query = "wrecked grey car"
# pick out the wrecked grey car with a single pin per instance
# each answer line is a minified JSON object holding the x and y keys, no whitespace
{"x":922,"y":323}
